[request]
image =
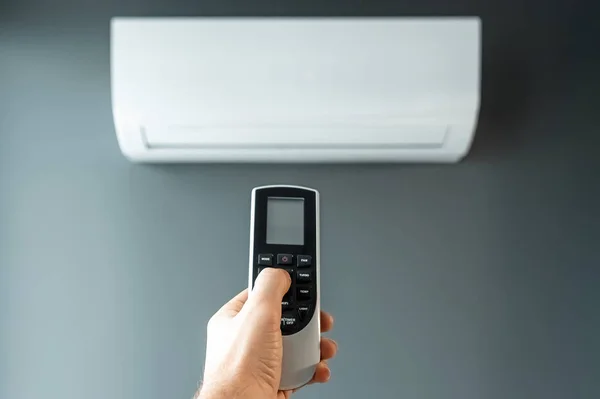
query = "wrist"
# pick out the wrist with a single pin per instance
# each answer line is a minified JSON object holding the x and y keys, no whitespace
{"x":207,"y":392}
{"x":214,"y":391}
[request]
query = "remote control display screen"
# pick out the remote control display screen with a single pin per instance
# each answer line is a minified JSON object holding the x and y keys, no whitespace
{"x":285,"y":221}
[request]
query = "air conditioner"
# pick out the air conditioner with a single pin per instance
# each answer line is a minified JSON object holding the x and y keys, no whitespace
{"x":295,"y":89}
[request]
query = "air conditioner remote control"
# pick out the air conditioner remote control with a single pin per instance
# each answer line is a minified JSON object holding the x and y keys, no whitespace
{"x":284,"y":233}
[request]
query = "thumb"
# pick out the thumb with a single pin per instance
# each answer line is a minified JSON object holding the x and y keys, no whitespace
{"x":270,"y":287}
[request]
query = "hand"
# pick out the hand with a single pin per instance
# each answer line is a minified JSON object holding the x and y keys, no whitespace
{"x":245,"y":348}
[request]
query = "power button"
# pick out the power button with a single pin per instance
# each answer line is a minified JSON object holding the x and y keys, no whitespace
{"x":284,"y":259}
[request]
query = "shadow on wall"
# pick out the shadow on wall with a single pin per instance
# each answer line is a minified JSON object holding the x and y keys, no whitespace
{"x":505,"y":102}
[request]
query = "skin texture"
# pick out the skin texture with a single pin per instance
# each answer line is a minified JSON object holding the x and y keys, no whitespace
{"x":244,"y":344}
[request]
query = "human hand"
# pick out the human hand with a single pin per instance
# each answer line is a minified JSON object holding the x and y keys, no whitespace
{"x":244,"y":344}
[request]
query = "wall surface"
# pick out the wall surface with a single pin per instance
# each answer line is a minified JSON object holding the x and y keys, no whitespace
{"x":475,"y":280}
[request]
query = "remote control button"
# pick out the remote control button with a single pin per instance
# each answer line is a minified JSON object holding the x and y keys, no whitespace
{"x":284,"y":259}
{"x":265,"y":259}
{"x":288,"y":319}
{"x":286,"y":304}
{"x":303,"y":312}
{"x":303,"y":277}
{"x":303,"y":294}
{"x":303,"y":260}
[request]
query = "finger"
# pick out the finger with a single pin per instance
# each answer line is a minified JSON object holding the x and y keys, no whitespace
{"x":284,"y":394}
{"x":270,"y":287}
{"x":328,"y":348}
{"x":326,"y":321}
{"x":235,"y":304}
{"x":322,"y":373}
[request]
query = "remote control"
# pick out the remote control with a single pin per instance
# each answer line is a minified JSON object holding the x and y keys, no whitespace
{"x":284,"y":233}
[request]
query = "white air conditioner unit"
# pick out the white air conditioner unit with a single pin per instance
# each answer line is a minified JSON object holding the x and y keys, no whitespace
{"x":295,"y":89}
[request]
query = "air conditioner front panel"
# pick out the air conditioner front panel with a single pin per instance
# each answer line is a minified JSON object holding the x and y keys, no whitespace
{"x":202,"y":83}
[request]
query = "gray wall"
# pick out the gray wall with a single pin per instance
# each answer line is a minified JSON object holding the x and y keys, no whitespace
{"x":476,"y":280}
